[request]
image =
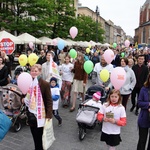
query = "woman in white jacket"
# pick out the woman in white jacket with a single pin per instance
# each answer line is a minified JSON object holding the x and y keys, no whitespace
{"x":129,"y":84}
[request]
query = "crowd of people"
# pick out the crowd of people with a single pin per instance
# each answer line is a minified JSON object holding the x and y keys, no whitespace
{"x":74,"y":80}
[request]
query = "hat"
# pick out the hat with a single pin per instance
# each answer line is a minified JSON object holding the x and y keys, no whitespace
{"x":97,"y":96}
{"x":53,"y":79}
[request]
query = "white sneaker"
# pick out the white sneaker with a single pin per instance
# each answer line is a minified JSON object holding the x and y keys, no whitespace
{"x":80,"y":98}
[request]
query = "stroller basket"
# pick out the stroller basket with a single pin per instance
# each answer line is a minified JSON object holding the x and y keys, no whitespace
{"x":87,"y":114}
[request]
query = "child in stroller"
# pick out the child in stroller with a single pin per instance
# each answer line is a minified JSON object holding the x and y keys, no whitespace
{"x":12,"y":104}
{"x":87,"y":114}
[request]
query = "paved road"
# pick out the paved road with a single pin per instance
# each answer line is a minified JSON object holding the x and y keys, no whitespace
{"x":67,"y":135}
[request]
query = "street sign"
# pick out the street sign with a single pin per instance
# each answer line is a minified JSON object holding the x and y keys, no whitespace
{"x":7,"y":45}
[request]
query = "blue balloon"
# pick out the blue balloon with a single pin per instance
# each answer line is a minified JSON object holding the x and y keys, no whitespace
{"x":61,"y":44}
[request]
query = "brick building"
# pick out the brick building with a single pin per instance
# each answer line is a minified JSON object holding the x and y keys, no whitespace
{"x":142,"y":33}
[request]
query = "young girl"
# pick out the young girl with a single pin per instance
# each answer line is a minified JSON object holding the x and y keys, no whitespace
{"x":113,"y":115}
{"x":67,"y":78}
{"x":55,"y":97}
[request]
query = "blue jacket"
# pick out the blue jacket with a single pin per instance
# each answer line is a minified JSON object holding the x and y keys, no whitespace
{"x":143,"y":103}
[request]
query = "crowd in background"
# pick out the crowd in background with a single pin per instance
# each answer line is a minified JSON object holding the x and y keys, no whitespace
{"x":135,"y":62}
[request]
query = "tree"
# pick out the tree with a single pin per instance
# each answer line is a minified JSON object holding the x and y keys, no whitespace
{"x":26,"y":16}
{"x":87,"y":29}
{"x":65,"y":18}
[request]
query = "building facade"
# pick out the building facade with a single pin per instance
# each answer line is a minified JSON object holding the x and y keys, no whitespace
{"x":142,"y":33}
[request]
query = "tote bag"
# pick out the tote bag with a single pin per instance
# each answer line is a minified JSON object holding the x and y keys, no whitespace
{"x":48,"y":134}
{"x":5,"y":124}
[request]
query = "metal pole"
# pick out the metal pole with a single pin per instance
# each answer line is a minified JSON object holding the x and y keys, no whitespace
{"x":97,"y":13}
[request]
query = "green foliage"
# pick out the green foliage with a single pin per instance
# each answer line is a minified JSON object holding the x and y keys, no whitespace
{"x":87,"y":29}
{"x":51,"y":18}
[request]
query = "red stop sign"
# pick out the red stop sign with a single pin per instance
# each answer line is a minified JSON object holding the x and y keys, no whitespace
{"x":7,"y":45}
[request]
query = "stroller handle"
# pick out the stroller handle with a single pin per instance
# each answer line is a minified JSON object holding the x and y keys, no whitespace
{"x":83,"y":105}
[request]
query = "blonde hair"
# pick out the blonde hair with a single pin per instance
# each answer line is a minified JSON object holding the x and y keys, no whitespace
{"x":38,"y":66}
{"x":116,"y":92}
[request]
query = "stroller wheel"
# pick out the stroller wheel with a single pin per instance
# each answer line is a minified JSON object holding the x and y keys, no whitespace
{"x":82,"y":133}
{"x":17,"y":126}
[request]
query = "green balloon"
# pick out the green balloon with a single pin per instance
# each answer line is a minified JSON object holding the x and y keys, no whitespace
{"x":88,"y":66}
{"x":122,"y":54}
{"x":114,"y":45}
{"x":73,"y":53}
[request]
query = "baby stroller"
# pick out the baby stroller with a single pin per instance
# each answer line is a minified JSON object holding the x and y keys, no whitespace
{"x":13,"y":107}
{"x":86,"y":118}
{"x":95,"y":88}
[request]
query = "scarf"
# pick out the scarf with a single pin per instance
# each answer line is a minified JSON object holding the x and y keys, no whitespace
{"x":34,"y":102}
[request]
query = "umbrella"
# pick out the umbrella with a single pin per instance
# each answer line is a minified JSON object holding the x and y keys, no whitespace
{"x":4,"y":34}
{"x":46,"y":40}
{"x":27,"y":38}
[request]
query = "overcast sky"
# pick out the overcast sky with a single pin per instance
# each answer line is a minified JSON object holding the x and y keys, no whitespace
{"x":124,"y":13}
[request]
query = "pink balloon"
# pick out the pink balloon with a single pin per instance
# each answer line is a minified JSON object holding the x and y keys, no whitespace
{"x":54,"y":42}
{"x":118,"y":77}
{"x":127,"y":43}
{"x":108,"y":56}
{"x":24,"y":81}
{"x":73,"y":32}
{"x":31,"y":45}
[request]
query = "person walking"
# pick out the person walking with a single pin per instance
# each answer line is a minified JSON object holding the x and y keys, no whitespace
{"x":39,"y":105}
{"x":80,"y":80}
{"x":144,"y":116}
{"x":141,"y":72}
{"x":129,"y":84}
{"x":113,"y":115}
{"x":67,"y":78}
{"x":54,"y":87}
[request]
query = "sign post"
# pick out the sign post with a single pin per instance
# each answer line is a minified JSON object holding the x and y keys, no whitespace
{"x":7,"y":46}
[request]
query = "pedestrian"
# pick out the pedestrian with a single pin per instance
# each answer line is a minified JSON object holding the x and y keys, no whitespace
{"x":98,"y":68}
{"x":46,"y":75}
{"x":3,"y":78}
{"x":54,"y":87}
{"x":144,"y":116}
{"x":42,"y":58}
{"x":141,"y":72}
{"x":39,"y":105}
{"x":129,"y":84}
{"x":67,"y":78}
{"x":80,"y":80}
{"x":113,"y":115}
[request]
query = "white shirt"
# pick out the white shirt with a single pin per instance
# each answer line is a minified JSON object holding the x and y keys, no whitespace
{"x":55,"y":91}
{"x":98,"y":68}
{"x":67,"y":74}
{"x":118,"y":111}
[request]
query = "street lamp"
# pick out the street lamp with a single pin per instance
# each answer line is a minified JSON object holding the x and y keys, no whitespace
{"x":97,"y":14}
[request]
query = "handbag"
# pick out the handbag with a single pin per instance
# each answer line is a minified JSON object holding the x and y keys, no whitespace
{"x":48,"y":134}
{"x":5,"y":124}
{"x":32,"y":120}
{"x":86,"y":116}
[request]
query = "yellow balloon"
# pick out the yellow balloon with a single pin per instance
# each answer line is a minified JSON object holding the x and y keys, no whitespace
{"x":104,"y":75}
{"x":33,"y":58}
{"x":87,"y":50}
{"x":89,"y":46}
{"x":23,"y":60}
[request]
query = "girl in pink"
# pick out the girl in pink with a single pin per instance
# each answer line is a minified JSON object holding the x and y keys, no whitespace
{"x":113,"y":115}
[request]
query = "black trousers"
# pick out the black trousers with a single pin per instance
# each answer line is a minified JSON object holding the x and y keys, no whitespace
{"x":143,"y":134}
{"x":56,"y":115}
{"x":37,"y":137}
{"x":125,"y":100}
{"x":133,"y":96}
